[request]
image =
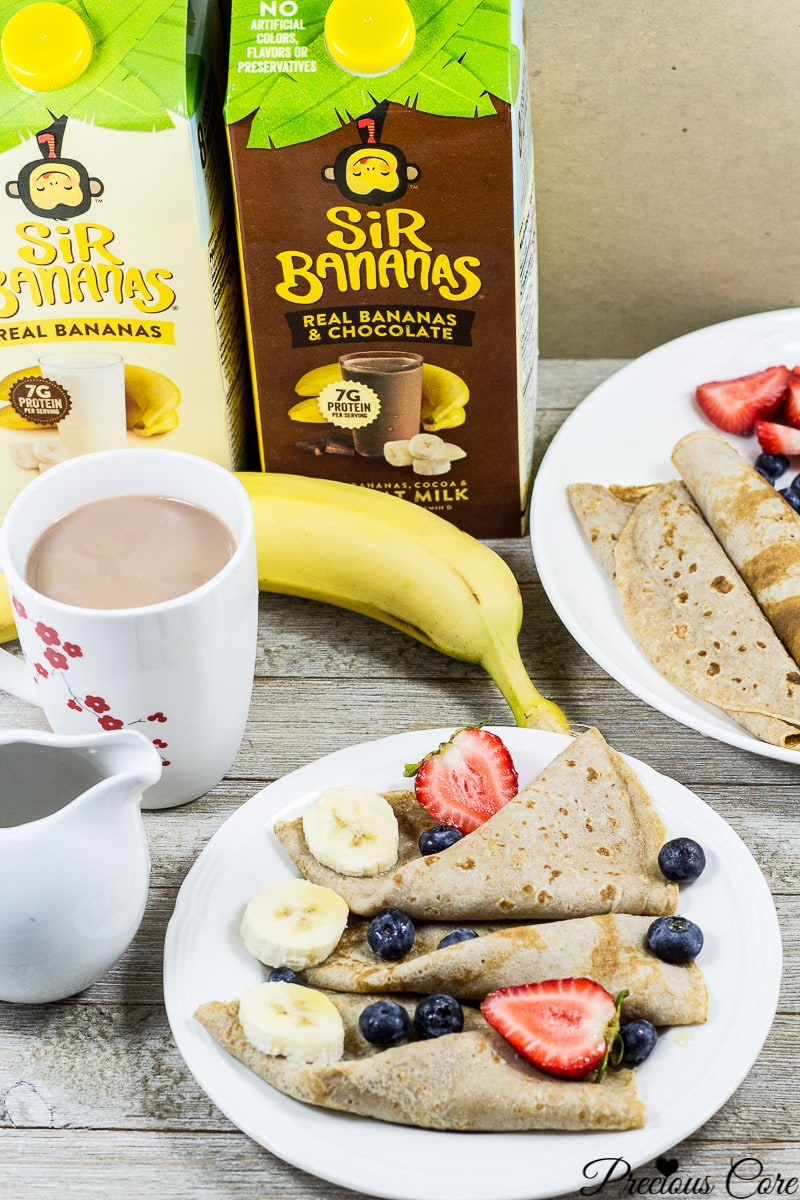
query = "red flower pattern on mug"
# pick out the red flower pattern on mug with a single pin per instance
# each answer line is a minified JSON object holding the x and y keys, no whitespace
{"x":110,"y":722}
{"x":59,"y":661}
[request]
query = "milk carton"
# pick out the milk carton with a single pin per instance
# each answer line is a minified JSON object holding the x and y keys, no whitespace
{"x":383,"y":177}
{"x":119,"y":287}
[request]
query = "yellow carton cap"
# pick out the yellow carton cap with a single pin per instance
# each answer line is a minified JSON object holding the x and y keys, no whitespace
{"x":369,"y":37}
{"x":45,"y":46}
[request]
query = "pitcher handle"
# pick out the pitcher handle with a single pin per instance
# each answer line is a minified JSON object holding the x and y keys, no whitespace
{"x":17,"y":678}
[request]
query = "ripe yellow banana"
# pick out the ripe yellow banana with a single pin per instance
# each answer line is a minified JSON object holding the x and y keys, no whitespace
{"x":376,"y":554}
{"x":8,"y":630}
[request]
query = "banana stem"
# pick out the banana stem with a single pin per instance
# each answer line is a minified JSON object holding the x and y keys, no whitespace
{"x":530,"y":709}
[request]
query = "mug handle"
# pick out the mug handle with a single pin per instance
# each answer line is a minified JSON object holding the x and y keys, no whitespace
{"x":15,"y":675}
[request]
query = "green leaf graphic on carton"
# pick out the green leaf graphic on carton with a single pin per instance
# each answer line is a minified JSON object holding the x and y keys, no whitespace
{"x":138,"y":75}
{"x":461,"y":59}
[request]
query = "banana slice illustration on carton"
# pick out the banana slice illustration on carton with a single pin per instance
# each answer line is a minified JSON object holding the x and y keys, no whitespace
{"x":444,"y":396}
{"x":151,"y":401}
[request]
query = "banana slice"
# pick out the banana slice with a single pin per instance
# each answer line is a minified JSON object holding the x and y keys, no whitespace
{"x":430,"y":466}
{"x":454,"y":452}
{"x":352,"y":830}
{"x":397,"y":454}
{"x":427,"y":446}
{"x":293,"y":923}
{"x":293,"y":1021}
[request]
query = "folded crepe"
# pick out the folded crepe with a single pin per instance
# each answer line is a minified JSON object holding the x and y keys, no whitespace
{"x":759,"y":530}
{"x":609,"y":949}
{"x":690,"y":610}
{"x":603,"y":517}
{"x":581,"y":838}
{"x":462,"y":1081}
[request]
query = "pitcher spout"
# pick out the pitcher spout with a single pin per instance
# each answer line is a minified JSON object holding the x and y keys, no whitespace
{"x":128,"y":758}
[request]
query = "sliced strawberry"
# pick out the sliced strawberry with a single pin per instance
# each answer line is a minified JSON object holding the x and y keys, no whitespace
{"x":791,"y":409}
{"x":778,"y":439}
{"x":466,"y":780}
{"x":564,"y":1027}
{"x":735,"y":404}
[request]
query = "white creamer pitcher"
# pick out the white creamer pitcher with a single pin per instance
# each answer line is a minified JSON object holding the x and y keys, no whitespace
{"x":74,"y":860}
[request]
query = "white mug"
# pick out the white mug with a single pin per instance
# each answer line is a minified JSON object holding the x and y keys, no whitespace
{"x":181,"y":670}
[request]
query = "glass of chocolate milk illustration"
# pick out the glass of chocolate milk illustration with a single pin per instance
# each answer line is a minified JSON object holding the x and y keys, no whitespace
{"x":395,"y":377}
{"x":94,"y":383}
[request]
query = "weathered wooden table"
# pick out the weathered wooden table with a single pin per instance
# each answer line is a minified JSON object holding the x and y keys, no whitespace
{"x":95,"y":1100}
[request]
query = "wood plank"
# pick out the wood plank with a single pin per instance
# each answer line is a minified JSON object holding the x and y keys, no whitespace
{"x":227,"y":1166}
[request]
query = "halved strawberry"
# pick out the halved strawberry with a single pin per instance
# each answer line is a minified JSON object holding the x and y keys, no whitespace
{"x":778,"y":439}
{"x":790,"y":412}
{"x":735,"y":404}
{"x":564,"y":1027}
{"x":466,"y":780}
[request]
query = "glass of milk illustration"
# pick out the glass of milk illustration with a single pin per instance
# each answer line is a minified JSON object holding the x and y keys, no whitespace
{"x":94,"y":381}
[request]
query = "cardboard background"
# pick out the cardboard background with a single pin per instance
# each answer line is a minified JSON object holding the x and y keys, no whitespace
{"x":667,"y":149}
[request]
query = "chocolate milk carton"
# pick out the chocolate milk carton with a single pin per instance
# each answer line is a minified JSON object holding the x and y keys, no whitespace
{"x":120,"y":302}
{"x":384,"y":189}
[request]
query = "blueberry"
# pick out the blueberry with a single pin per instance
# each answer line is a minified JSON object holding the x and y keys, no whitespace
{"x":795,"y":483}
{"x":282,"y":975}
{"x":682,"y":860}
{"x":638,"y":1039}
{"x":791,"y":497}
{"x":391,"y":934}
{"x":433,"y":841}
{"x":438,"y":1014}
{"x":674,"y":939}
{"x":771,"y":466}
{"x":456,"y":935}
{"x":384,"y":1023}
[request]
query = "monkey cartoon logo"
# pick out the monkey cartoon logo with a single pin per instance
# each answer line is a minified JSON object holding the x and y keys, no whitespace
{"x":373,"y":172}
{"x":56,"y":187}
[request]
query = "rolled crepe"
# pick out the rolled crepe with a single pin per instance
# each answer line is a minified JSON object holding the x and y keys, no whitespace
{"x":609,"y":949}
{"x":758,"y":529}
{"x":581,"y":838}
{"x":690,"y":610}
{"x":463,"y":1081}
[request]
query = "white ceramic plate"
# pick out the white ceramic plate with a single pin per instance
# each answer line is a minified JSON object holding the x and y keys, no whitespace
{"x":688,"y":1077}
{"x":624,"y":432}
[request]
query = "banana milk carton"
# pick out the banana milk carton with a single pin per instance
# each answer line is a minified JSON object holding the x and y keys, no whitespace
{"x":383,"y":173}
{"x":120,"y":302}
